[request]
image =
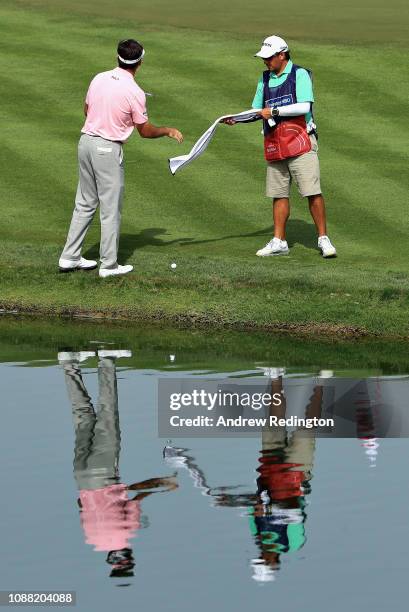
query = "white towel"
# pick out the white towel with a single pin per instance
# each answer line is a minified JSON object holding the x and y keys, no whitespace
{"x":176,"y":163}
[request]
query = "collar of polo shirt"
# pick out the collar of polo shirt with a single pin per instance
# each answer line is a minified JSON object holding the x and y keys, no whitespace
{"x":124,"y":71}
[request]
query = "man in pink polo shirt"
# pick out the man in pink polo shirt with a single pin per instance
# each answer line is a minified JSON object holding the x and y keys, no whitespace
{"x":114,"y":106}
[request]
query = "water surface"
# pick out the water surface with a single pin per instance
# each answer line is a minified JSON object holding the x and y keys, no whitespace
{"x":92,"y":502}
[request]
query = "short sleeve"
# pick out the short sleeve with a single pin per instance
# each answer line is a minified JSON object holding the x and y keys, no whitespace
{"x":258,"y":98}
{"x":138,"y":108}
{"x":90,"y":89}
{"x":303,"y":85}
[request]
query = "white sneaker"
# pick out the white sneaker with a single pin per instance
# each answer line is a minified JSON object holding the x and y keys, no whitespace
{"x":274,"y":247}
{"x":66,"y":265}
{"x":326,"y":247}
{"x":272,"y":372}
{"x":64,"y":356}
{"x":326,"y":374}
{"x":104,"y":272}
{"x":115,"y":353}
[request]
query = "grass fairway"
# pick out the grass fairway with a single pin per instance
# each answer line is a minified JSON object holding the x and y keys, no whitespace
{"x":212,"y":217}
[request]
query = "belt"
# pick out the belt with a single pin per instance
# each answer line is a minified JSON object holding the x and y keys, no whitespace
{"x":98,"y":136}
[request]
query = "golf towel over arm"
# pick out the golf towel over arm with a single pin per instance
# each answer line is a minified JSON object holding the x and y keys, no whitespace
{"x":176,"y":163}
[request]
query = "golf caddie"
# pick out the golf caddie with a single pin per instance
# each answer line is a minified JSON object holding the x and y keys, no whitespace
{"x":114,"y":106}
{"x":285,"y":98}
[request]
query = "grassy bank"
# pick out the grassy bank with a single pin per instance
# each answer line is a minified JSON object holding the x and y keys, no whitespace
{"x":212,"y":217}
{"x":37,"y":341}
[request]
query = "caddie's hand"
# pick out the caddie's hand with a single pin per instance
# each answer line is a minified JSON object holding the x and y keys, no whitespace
{"x":265,"y":113}
{"x":174,"y":133}
{"x":228,"y":121}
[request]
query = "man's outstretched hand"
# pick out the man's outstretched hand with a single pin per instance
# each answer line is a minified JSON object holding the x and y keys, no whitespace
{"x":229,"y":121}
{"x":174,"y":133}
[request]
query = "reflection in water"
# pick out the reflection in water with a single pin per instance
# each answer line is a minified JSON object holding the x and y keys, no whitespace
{"x":108,"y":517}
{"x":366,"y":412}
{"x":277,"y":519}
{"x":276,"y":511}
{"x":267,"y":518}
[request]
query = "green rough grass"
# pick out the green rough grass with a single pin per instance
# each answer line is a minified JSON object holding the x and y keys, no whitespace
{"x":212,"y":217}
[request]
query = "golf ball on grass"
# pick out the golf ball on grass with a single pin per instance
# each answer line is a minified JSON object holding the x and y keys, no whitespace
{"x":173,"y":265}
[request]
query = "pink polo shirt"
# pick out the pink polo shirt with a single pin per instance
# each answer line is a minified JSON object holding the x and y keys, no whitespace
{"x":109,"y":518}
{"x":115,"y":104}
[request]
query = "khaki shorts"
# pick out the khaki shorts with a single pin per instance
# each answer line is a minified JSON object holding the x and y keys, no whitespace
{"x":305,"y":170}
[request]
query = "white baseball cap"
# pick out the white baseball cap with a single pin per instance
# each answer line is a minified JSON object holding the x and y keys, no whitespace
{"x":271,"y":46}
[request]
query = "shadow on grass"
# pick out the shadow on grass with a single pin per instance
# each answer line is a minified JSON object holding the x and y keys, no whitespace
{"x":267,"y":231}
{"x":299,"y":232}
{"x":129,"y":243}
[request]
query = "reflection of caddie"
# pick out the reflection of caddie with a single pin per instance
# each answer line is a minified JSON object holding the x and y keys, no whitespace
{"x":285,"y":96}
{"x":114,"y":106}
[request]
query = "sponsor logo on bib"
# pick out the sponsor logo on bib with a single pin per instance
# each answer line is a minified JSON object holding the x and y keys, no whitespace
{"x":280,"y":101}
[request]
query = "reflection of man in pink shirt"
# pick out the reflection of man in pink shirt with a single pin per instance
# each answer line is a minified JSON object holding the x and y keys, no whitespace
{"x":114,"y":106}
{"x":109,"y":518}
